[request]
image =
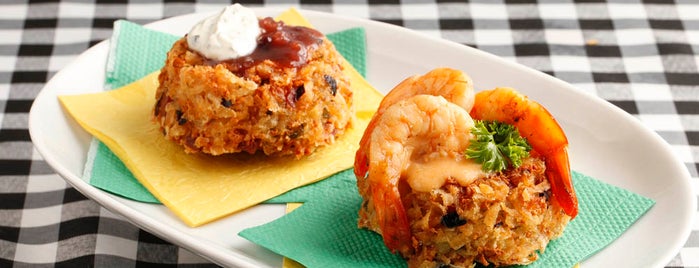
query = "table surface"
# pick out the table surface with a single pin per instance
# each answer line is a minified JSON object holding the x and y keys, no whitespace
{"x":639,"y":55}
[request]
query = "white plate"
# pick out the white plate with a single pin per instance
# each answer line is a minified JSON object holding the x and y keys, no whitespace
{"x":605,"y":142}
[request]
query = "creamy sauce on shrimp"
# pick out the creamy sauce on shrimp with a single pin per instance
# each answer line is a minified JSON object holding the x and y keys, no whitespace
{"x":432,"y":174}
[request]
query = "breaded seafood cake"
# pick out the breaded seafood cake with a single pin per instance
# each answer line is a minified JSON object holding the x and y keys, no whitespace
{"x":450,"y":178}
{"x":236,"y":83}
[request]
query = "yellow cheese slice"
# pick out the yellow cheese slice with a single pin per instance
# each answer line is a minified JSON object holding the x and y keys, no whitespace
{"x":200,"y":188}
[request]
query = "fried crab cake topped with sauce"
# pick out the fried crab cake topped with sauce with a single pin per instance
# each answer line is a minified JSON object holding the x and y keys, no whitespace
{"x":286,"y":94}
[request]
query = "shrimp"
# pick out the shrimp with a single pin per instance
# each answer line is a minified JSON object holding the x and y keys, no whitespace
{"x":542,"y":132}
{"x":451,"y":84}
{"x":419,"y":126}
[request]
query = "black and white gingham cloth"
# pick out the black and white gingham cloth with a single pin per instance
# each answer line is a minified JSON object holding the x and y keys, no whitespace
{"x":639,"y":55}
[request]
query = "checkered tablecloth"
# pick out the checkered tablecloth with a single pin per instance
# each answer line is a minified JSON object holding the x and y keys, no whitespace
{"x":638,"y":55}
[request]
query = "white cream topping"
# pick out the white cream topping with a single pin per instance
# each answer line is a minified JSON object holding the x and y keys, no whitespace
{"x":230,"y":34}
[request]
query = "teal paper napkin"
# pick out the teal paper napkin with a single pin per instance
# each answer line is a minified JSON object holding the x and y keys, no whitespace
{"x":323,"y":231}
{"x":135,"y":52}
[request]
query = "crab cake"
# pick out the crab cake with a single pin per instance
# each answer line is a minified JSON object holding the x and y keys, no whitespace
{"x":289,"y":97}
{"x":501,"y":219}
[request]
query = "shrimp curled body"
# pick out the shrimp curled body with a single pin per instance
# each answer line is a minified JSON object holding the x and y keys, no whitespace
{"x":537,"y":125}
{"x":455,"y":86}
{"x":418,"y":127}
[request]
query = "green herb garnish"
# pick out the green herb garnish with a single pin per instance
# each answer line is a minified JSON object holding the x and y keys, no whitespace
{"x":497,"y":145}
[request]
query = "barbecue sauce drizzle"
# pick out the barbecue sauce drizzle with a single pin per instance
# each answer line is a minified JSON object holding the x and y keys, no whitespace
{"x":285,"y":45}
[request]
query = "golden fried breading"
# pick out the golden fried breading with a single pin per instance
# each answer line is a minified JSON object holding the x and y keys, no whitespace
{"x":271,"y":108}
{"x":501,"y":219}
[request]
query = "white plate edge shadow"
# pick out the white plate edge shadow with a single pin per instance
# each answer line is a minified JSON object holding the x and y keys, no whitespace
{"x":227,"y":256}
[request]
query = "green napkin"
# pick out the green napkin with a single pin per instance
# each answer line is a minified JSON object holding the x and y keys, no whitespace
{"x":135,"y":52}
{"x":323,"y":232}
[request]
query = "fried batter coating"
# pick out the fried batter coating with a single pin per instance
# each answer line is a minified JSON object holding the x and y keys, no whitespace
{"x":502,"y":219}
{"x":267,"y":107}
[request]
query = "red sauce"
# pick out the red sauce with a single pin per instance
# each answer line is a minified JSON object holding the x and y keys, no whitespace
{"x":285,"y":45}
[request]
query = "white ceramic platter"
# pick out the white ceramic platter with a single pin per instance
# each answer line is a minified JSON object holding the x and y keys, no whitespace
{"x":605,"y":143}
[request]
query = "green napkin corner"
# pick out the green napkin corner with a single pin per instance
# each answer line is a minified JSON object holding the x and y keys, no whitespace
{"x":323,"y":231}
{"x":136,"y":51}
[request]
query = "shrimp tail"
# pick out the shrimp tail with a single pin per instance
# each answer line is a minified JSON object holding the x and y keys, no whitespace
{"x":361,"y":165}
{"x":361,"y":160}
{"x":558,"y":172}
{"x":393,"y":220}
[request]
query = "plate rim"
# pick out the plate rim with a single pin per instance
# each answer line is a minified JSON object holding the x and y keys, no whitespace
{"x":222,"y":255}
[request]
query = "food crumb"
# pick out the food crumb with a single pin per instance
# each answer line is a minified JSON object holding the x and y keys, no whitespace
{"x":226,"y":103}
{"x":332,"y":83}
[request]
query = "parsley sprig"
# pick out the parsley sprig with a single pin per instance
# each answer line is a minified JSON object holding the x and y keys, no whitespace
{"x":497,"y":145}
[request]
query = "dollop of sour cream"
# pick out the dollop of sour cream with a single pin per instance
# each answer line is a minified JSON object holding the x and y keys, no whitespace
{"x":230,"y":34}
